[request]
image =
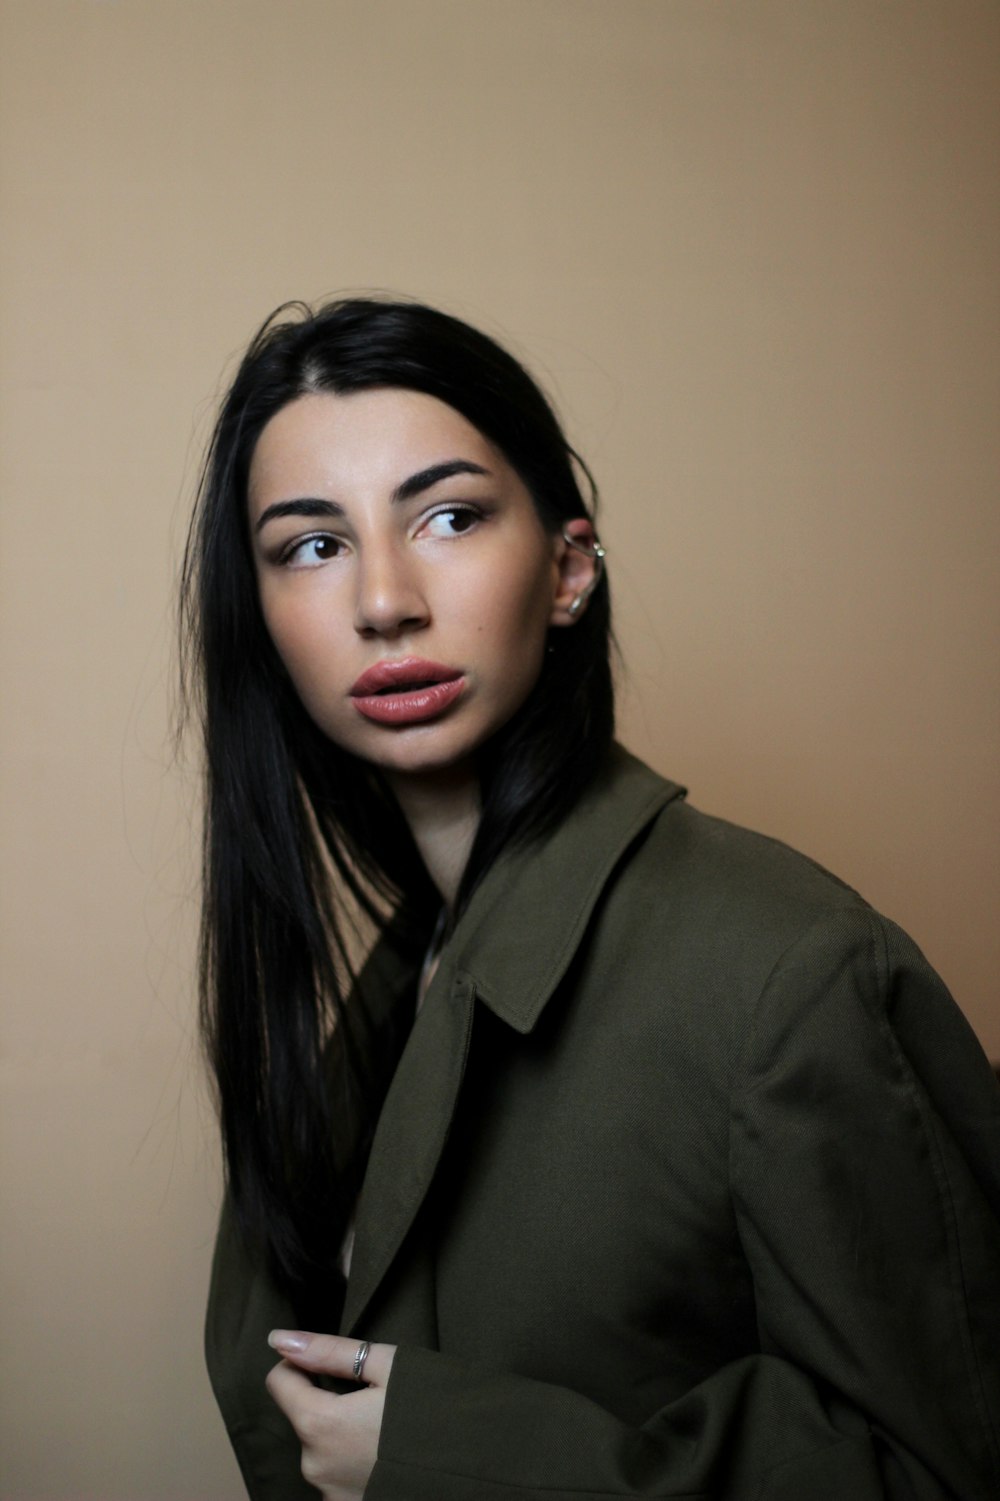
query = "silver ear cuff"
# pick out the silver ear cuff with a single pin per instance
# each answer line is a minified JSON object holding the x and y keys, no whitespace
{"x":598,"y":553}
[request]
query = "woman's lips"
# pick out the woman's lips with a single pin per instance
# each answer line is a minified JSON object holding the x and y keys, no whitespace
{"x":408,"y":691}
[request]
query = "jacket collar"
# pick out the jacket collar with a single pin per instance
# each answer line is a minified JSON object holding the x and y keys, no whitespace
{"x":525,"y":922}
{"x":510,"y":949}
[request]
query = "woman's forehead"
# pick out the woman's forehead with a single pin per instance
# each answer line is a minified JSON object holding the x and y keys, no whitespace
{"x":374,"y":436}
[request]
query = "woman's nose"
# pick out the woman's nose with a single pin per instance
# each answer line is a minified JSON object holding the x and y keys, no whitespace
{"x":390,"y":597}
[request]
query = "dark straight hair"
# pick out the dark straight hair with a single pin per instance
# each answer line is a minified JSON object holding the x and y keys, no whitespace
{"x":300,"y":836}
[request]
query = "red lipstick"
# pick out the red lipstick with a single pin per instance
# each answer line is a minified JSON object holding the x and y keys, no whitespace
{"x":406,"y":691}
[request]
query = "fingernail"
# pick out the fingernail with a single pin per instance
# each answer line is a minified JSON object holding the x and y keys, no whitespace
{"x":287,"y":1339}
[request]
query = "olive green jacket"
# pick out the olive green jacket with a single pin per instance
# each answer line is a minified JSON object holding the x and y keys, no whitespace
{"x":686,"y":1186}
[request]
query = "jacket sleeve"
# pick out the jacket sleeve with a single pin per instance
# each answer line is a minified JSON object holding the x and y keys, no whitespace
{"x":865,"y":1142}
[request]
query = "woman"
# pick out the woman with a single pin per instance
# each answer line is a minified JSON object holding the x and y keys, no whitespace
{"x":640,"y":1158}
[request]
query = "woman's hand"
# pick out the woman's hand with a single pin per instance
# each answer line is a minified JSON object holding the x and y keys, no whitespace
{"x":339,"y":1435}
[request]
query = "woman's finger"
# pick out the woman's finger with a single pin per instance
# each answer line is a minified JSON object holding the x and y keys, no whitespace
{"x":293,"y":1391}
{"x":333,"y":1355}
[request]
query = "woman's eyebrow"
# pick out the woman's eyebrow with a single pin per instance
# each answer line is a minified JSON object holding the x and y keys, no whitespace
{"x":307,"y":506}
{"x":417,"y":483}
{"x":423,"y":480}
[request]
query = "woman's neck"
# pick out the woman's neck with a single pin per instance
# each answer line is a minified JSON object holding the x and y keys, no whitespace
{"x":443,"y":815}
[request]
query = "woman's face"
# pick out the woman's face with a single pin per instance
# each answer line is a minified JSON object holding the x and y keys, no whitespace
{"x":405,"y":577}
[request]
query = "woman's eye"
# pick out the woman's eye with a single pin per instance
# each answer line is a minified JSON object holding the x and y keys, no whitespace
{"x":452,"y":522}
{"x":311,"y":552}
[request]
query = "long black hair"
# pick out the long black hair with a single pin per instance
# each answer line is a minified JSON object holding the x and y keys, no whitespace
{"x":302,"y":840}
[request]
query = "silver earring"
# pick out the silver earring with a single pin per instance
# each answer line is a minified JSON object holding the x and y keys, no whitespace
{"x":598,"y":553}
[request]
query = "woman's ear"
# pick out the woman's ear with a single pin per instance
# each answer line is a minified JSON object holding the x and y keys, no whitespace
{"x":580,"y":559}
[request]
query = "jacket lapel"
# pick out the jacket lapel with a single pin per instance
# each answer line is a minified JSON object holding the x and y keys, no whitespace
{"x":411,"y":1134}
{"x":530,"y":915}
{"x":510,"y":949}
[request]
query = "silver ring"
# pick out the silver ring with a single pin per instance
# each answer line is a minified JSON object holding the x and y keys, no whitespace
{"x":359,"y":1360}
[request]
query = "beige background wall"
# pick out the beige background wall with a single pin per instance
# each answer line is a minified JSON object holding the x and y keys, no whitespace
{"x":752,"y":246}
